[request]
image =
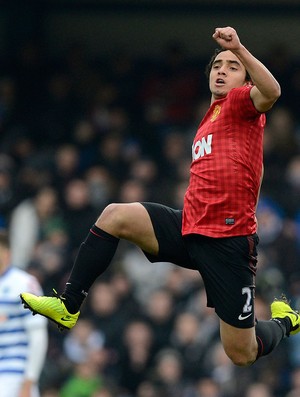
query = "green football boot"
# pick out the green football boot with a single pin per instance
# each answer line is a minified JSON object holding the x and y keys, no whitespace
{"x":280,"y":308}
{"x":51,"y":307}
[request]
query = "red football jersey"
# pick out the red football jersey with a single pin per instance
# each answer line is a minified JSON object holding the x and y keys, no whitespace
{"x":226,"y":169}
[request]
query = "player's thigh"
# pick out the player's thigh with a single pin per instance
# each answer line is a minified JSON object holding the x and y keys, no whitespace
{"x":155,"y":228}
{"x":167,"y":223}
{"x":130,"y":221}
{"x":228,"y":267}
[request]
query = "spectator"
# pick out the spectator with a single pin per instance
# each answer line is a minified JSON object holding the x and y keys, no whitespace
{"x":207,"y":387}
{"x":259,"y":390}
{"x":168,"y":374}
{"x":23,"y":345}
{"x":159,"y":312}
{"x":80,"y":342}
{"x":136,"y":355}
{"x":28,"y":222}
{"x":186,"y":339}
{"x":77,"y":210}
{"x":66,"y":162}
{"x":8,"y":194}
{"x":105,"y":309}
{"x":83,"y":382}
{"x":294,"y":382}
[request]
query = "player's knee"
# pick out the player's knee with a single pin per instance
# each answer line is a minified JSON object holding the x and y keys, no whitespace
{"x":241,"y":357}
{"x":115,"y":220}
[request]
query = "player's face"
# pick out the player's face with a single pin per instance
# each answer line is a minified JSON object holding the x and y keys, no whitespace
{"x":227,"y":72}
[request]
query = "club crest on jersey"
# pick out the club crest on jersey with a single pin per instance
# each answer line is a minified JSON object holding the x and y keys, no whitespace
{"x":216,"y":112}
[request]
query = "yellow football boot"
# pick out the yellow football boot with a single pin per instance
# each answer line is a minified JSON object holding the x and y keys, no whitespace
{"x":51,"y":307}
{"x":280,"y":308}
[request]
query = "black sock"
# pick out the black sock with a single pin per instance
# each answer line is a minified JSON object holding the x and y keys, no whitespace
{"x":93,"y":258}
{"x":270,"y":333}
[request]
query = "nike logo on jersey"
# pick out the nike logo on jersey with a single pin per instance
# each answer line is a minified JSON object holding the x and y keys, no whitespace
{"x":241,"y":317}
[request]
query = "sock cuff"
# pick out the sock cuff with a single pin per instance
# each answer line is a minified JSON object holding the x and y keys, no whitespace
{"x":260,"y":347}
{"x":284,"y":324}
{"x":96,"y":232}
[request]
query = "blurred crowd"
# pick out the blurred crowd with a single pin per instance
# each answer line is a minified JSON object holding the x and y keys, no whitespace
{"x":79,"y":133}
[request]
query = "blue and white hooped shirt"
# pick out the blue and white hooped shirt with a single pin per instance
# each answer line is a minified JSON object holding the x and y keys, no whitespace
{"x":14,"y":320}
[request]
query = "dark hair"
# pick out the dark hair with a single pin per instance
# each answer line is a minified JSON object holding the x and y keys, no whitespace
{"x":212,"y":59}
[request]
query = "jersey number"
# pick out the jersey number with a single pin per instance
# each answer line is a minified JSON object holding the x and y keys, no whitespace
{"x":247,"y":307}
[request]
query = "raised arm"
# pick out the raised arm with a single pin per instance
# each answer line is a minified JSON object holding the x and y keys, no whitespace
{"x":266,"y":89}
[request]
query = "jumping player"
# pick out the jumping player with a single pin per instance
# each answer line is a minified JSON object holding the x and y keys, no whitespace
{"x":216,"y":231}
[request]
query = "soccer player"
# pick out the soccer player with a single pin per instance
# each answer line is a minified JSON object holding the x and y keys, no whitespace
{"x":24,"y":339}
{"x":216,"y":232}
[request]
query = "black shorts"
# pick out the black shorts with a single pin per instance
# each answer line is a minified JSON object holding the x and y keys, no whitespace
{"x":227,"y":265}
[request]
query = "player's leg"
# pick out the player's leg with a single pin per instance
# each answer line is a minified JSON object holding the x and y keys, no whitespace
{"x":127,"y":221}
{"x":244,"y":346}
{"x":228,"y":269}
{"x":140,"y":223}
{"x":130,"y":222}
{"x":239,"y":344}
{"x":136,"y":222}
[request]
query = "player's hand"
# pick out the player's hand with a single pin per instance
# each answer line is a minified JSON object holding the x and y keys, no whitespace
{"x":227,"y":38}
